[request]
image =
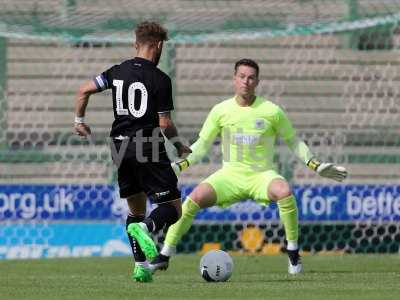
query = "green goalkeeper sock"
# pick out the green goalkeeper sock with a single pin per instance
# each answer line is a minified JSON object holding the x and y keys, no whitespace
{"x":177,"y":230}
{"x":288,"y":214}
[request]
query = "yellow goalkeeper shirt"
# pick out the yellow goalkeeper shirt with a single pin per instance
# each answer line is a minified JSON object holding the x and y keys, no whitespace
{"x":248,"y":133}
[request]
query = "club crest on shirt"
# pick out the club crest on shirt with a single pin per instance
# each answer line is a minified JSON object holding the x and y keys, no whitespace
{"x":259,"y":124}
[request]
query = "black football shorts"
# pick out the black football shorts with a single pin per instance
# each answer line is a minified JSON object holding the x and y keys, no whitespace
{"x":156,"y":179}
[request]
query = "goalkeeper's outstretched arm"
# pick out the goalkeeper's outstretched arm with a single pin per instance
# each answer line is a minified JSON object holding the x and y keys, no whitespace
{"x":208,"y":132}
{"x":301,"y":150}
{"x":329,"y":170}
{"x":199,"y":150}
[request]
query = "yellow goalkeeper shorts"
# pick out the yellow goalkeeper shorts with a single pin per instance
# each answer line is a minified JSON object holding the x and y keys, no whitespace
{"x":233,"y":185}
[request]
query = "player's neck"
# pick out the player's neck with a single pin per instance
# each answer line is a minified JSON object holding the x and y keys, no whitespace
{"x":245,"y":100}
{"x":146,"y":54}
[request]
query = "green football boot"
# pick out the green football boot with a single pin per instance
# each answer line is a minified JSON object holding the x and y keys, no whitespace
{"x":142,"y":274}
{"x":146,"y":243}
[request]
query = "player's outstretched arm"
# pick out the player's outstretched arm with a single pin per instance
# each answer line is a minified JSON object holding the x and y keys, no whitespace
{"x":81,"y":102}
{"x":328,"y":170}
{"x":208,"y":132}
{"x":301,"y":150}
{"x":199,"y":150}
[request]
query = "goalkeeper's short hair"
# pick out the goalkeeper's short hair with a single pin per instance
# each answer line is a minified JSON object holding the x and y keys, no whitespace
{"x":247,"y":62}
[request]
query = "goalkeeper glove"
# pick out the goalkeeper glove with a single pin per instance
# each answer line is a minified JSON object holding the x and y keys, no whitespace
{"x":328,"y":170}
{"x":180,"y":166}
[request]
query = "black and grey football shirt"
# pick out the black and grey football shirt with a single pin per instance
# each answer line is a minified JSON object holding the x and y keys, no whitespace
{"x":140,"y":91}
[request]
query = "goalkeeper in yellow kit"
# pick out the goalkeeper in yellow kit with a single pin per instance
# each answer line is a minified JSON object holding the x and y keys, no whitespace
{"x":248,"y":125}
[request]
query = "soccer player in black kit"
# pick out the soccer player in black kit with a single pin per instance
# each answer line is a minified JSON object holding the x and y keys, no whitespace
{"x":142,"y":102}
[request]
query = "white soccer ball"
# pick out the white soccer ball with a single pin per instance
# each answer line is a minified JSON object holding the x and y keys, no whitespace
{"x":216,"y":265}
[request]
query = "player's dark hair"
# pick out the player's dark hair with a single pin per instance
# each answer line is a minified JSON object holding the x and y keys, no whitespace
{"x":150,"y":32}
{"x":247,"y":62}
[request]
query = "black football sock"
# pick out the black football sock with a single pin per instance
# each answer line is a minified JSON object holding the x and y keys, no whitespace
{"x":163,"y":215}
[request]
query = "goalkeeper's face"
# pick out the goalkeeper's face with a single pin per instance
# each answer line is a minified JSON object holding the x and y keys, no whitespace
{"x":245,"y":80}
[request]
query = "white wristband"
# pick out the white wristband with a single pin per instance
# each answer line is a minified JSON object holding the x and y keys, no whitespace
{"x":79,"y":120}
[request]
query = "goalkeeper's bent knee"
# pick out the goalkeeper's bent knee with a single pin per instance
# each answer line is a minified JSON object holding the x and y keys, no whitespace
{"x":177,"y":230}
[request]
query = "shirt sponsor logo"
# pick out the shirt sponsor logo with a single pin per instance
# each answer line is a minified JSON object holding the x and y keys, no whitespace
{"x":245,"y":139}
{"x":260,"y":124}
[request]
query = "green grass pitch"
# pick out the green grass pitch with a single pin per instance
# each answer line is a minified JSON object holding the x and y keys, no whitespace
{"x":254,"y":277}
